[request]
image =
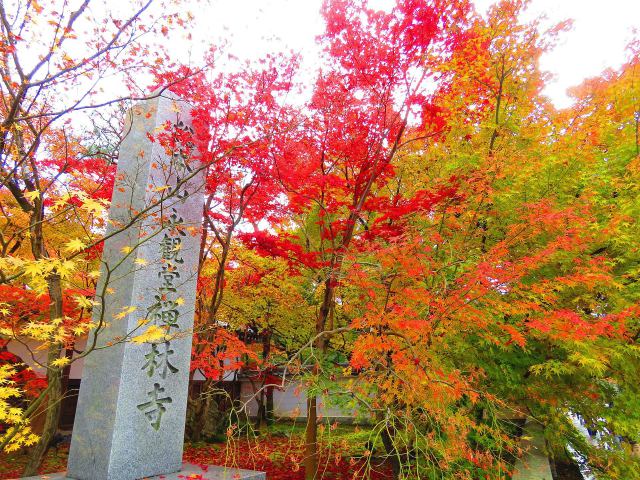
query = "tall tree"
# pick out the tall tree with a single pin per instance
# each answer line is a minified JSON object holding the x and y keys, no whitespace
{"x":377,"y":67}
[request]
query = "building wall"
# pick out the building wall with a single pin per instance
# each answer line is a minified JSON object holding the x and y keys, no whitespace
{"x":289,"y":402}
{"x":33,"y":357}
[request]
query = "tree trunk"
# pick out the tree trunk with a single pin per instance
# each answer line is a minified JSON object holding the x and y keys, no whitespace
{"x":269,"y":407}
{"x":326,"y":313}
{"x":261,"y":420}
{"x":54,"y":401}
{"x":311,"y":431}
{"x":196,"y":428}
{"x":311,"y":440}
{"x":267,"y":392}
{"x":66,"y":371}
{"x":392,"y":453}
{"x":54,"y":379}
{"x":201,"y":413}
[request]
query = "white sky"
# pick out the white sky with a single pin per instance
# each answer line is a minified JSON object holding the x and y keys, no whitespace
{"x":254,"y":27}
{"x":601,"y":31}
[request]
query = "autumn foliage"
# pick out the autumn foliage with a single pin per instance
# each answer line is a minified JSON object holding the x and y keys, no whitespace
{"x":417,"y":235}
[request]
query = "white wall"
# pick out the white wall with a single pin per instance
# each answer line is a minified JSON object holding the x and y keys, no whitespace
{"x":290,"y":402}
{"x":32,"y":357}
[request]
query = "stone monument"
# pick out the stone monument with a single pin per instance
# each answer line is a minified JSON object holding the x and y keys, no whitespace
{"x":130,"y":416}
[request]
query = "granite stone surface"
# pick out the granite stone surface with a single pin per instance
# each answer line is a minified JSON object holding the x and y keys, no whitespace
{"x":534,"y":464}
{"x":130,"y":416}
{"x":206,"y":473}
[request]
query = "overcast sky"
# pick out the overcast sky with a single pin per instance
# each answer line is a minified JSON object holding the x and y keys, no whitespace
{"x":254,"y":27}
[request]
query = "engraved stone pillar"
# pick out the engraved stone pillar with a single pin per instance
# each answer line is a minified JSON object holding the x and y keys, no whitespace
{"x":130,"y":417}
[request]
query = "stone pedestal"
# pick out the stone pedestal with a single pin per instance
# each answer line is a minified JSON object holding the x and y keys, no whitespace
{"x":534,"y":464}
{"x":206,"y":473}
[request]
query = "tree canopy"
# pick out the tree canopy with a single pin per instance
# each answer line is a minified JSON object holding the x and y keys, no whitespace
{"x":422,"y":237}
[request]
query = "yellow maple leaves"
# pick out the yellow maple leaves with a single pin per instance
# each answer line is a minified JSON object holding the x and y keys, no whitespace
{"x":96,"y":207}
{"x":151,"y":334}
{"x":60,"y":362}
{"x":36,"y":6}
{"x":44,"y":332}
{"x":18,"y":432}
{"x":81,"y":329}
{"x":84,"y":302}
{"x":95,"y":274}
{"x":124,"y":312}
{"x":58,"y":330}
{"x":80,"y":201}
{"x":75,"y":245}
{"x":32,"y":195}
{"x":36,"y":272}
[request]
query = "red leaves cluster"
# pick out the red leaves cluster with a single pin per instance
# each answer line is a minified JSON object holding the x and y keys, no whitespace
{"x":25,"y":305}
{"x":25,"y":378}
{"x":91,"y":175}
{"x":279,"y":246}
{"x":220,"y":353}
{"x":281,"y":458}
{"x":568,"y":325}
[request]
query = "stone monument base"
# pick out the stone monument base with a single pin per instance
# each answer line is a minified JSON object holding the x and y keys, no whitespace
{"x":189,"y":471}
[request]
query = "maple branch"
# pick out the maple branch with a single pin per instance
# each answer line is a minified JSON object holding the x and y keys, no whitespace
{"x":87,"y":60}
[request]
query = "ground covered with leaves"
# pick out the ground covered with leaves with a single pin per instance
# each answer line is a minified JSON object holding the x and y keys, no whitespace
{"x":12,"y":465}
{"x":279,"y":452}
